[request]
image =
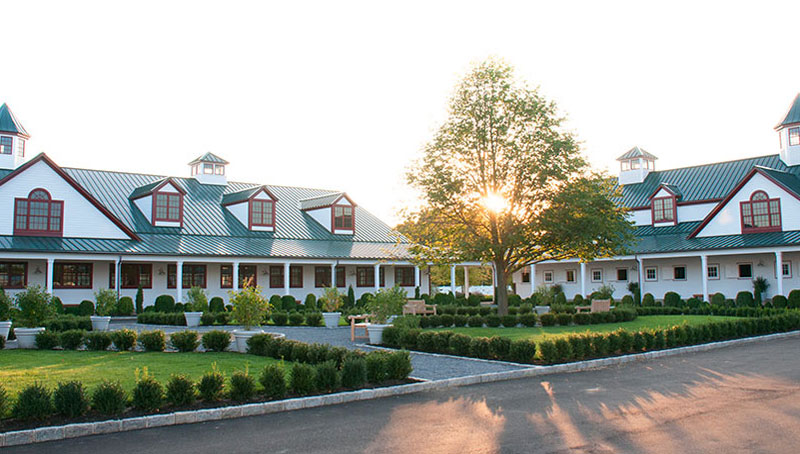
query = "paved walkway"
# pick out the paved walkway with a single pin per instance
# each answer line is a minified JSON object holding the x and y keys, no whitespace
{"x":426,"y":366}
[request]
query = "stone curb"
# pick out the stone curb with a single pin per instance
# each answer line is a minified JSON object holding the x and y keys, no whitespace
{"x":445,"y":355}
{"x":54,"y":433}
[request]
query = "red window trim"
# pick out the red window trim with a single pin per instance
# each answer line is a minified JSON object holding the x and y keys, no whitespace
{"x":768,"y":201}
{"x":276,"y":270}
{"x":147,"y":266}
{"x":324,"y":270}
{"x":174,"y":269}
{"x":252,"y":224}
{"x":333,"y":218}
{"x":24,"y":275}
{"x":674,"y":210}
{"x":50,"y":202}
{"x":222,"y":267}
{"x":341,"y":276}
{"x":292,"y":282}
{"x":168,"y":219}
{"x":60,"y":265}
{"x":370,"y":281}
{"x":398,"y":270}
{"x":789,"y":137}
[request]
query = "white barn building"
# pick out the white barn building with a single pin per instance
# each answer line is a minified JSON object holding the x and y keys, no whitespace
{"x":699,"y":230}
{"x":74,"y":231}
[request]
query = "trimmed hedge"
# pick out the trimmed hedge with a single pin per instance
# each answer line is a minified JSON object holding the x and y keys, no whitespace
{"x":595,"y":345}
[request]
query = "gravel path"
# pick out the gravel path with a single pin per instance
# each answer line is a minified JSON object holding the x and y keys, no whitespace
{"x":426,"y":366}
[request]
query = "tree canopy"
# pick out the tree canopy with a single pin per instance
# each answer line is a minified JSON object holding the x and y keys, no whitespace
{"x":502,"y":182}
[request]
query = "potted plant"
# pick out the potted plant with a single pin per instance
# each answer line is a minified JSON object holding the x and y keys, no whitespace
{"x":197,"y":303}
{"x":5,"y":314}
{"x":331,"y":302}
{"x":34,"y":308}
{"x":385,"y":304}
{"x":249,"y":310}
{"x":105,"y":303}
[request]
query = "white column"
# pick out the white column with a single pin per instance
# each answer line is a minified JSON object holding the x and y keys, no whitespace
{"x":377,"y":277}
{"x":286,"y":290}
{"x":704,"y":275}
{"x":333,"y":275}
{"x":416,"y":276}
{"x":453,"y":279}
{"x":583,"y":279}
{"x":116,"y":276}
{"x":179,"y":281}
{"x":235,"y":266}
{"x":49,"y":281}
{"x":779,"y":271}
{"x":466,"y":281}
{"x":640,"y":263}
{"x":533,"y":278}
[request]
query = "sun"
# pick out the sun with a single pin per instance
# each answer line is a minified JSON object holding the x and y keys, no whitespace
{"x":495,"y":202}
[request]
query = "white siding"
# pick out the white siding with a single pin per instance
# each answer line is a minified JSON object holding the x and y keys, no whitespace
{"x":728,"y":220}
{"x":81,"y":218}
{"x":322,"y":216}
{"x":145,"y":205}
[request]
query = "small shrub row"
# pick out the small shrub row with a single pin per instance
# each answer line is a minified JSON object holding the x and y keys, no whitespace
{"x":527,"y":319}
{"x":588,"y":345}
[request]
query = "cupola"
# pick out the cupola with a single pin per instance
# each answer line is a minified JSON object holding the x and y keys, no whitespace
{"x":634,"y":166}
{"x":209,"y":169}
{"x":12,"y":140}
{"x":789,"y":134}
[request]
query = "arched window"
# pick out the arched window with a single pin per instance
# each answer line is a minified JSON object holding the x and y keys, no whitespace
{"x":38,"y":215}
{"x":761,"y":214}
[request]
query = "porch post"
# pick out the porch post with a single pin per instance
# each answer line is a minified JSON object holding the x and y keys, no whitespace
{"x":704,"y":275}
{"x":377,"y":277}
{"x":466,"y":281}
{"x":235,"y":266}
{"x":179,"y":281}
{"x":286,"y":270}
{"x":583,"y":279}
{"x":416,"y":276}
{"x":116,"y":276}
{"x":533,"y":278}
{"x":453,"y":279}
{"x":333,"y":275}
{"x":779,"y":270}
{"x":640,"y":263}
{"x":49,"y":281}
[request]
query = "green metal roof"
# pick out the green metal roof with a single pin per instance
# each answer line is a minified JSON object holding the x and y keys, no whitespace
{"x":793,"y":115}
{"x":9,"y":122}
{"x":320,"y":201}
{"x":241,"y":196}
{"x":214,"y":246}
{"x":655,"y":240}
{"x":636,"y":152}
{"x":209,"y":157}
{"x":789,"y":181}
{"x":710,"y":182}
{"x":147,"y":188}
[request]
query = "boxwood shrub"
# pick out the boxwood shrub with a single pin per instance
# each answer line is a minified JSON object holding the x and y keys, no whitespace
{"x":72,"y":339}
{"x":303,"y":380}
{"x":180,"y":390}
{"x":216,"y":340}
{"x":125,"y":306}
{"x":109,"y":398}
{"x":33,"y":402}
{"x":98,"y":340}
{"x":152,"y":341}
{"x":564,"y":319}
{"x":70,"y":400}
{"x":273,"y":380}
{"x":528,"y":319}
{"x":124,"y":339}
{"x":47,"y":340}
{"x":313,"y":318}
{"x":548,"y":319}
{"x":354,"y":372}
{"x":184,"y":341}
{"x":211,"y":386}
{"x":243,"y":386}
{"x":280,"y":318}
{"x":296,"y":319}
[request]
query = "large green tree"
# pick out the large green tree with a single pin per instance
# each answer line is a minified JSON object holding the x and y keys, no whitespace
{"x":501,"y":182}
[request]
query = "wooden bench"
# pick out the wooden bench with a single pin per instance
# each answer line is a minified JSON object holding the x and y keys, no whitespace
{"x":597,"y":306}
{"x":418,"y":307}
{"x":358,"y":321}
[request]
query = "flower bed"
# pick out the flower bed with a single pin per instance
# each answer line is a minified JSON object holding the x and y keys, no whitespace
{"x":577,"y":347}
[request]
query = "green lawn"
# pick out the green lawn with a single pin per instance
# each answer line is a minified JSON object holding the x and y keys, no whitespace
{"x":19,"y":368}
{"x":537,"y":333}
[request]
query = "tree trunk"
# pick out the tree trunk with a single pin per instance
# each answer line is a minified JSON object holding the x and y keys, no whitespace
{"x":501,"y":289}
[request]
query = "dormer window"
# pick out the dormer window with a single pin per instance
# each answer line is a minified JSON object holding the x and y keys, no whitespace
{"x":262,"y":213}
{"x":6,"y":145}
{"x":38,"y":215}
{"x":167,"y":207}
{"x":663,"y":209}
{"x":342,"y":217}
{"x":761,"y":214}
{"x":794,"y":136}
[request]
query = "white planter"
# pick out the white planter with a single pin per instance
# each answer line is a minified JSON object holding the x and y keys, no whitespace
{"x":100,"y":323}
{"x":192,"y":318}
{"x":376,"y":333}
{"x":542,"y":310}
{"x":5,"y":327}
{"x":331,"y":319}
{"x":26,"y":337}
{"x":241,"y":337}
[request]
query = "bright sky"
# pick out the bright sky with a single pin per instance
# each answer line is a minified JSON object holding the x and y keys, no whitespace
{"x":343,"y":95}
